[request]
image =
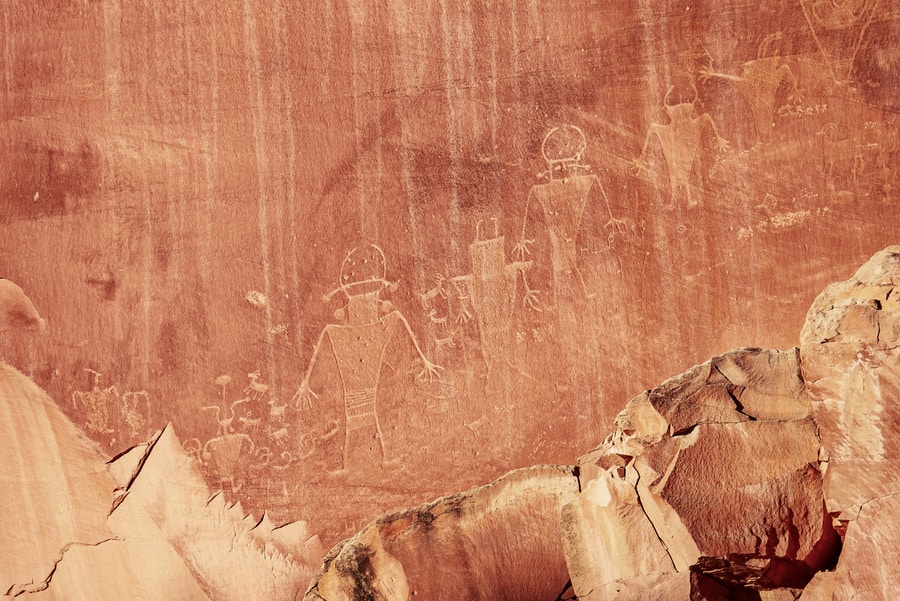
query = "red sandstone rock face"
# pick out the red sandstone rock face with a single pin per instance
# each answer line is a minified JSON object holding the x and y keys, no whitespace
{"x":180,"y":184}
{"x":499,"y":541}
{"x":572,"y":201}
{"x":747,"y":475}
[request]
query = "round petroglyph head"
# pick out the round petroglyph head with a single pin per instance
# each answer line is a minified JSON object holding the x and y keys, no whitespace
{"x":563,"y":148}
{"x":363,"y":271}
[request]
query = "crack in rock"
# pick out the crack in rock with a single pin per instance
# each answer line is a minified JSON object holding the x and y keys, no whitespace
{"x":19,"y":589}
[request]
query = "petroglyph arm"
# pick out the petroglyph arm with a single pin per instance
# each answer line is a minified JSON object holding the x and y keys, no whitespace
{"x":721,"y":143}
{"x":460,"y":289}
{"x":521,"y":247}
{"x":530,"y":295}
{"x":430,"y":370}
{"x":707,"y":73}
{"x":304,"y":396}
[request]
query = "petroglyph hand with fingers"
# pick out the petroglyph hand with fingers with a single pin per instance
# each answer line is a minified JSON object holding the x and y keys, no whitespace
{"x":530,"y":299}
{"x":304,"y":396}
{"x":721,"y":143}
{"x":359,"y":342}
{"x":521,"y":248}
{"x":430,"y":371}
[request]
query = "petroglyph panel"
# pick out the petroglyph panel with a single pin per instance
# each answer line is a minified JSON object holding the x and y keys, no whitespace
{"x":363,"y":255}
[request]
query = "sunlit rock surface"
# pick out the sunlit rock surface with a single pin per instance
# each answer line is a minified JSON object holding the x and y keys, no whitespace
{"x":500,"y":541}
{"x":850,"y":347}
{"x":232,"y":555}
{"x":145,"y":526}
{"x":55,"y":490}
{"x":562,"y":204}
{"x":721,"y":461}
{"x":762,"y":473}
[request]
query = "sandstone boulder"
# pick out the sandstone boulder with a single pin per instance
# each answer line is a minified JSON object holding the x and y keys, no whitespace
{"x":850,"y":350}
{"x":721,"y":461}
{"x":500,"y":541}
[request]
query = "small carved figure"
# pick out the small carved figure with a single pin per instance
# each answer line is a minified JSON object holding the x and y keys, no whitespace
{"x":136,"y":413}
{"x":223,"y":419}
{"x":96,"y":402}
{"x":224,"y":454}
{"x":492,"y":288}
{"x":255,"y":390}
{"x":250,"y":423}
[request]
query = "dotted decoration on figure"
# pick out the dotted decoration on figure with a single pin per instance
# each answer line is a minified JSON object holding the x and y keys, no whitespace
{"x":359,"y":342}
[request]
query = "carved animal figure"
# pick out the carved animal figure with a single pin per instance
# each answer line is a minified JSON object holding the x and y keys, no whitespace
{"x":224,"y":420}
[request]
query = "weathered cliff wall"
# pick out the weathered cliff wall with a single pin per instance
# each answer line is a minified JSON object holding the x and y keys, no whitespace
{"x":181,"y":183}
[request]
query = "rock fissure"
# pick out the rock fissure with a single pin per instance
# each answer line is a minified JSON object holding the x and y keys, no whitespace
{"x":653,"y":524}
{"x":873,"y":500}
{"x":31,"y":588}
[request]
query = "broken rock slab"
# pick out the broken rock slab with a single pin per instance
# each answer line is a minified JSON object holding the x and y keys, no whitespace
{"x":721,"y":461}
{"x":868,"y":566}
{"x":54,"y":488}
{"x":145,"y":526}
{"x":499,"y":541}
{"x":163,"y":500}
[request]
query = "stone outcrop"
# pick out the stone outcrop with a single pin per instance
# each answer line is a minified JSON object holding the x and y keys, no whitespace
{"x":720,"y":462}
{"x":54,"y":489}
{"x":145,"y":526}
{"x":17,"y":310}
{"x":764,"y":473}
{"x":495,"y":542}
{"x":850,"y":348}
{"x":163,"y":502}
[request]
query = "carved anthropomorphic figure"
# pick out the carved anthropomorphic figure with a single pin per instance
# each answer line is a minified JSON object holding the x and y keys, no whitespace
{"x":573,"y":206}
{"x":759,"y":83}
{"x":680,"y":140}
{"x":838,"y":27}
{"x":359,"y":344}
{"x":563,"y":200}
{"x":492,"y":288}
